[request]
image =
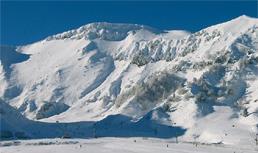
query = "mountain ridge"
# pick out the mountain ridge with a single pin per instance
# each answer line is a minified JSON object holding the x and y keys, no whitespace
{"x":88,"y":75}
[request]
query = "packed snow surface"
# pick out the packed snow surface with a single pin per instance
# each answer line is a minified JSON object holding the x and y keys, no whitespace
{"x":116,"y":145}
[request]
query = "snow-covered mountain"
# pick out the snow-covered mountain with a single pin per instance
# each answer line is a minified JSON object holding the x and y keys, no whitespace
{"x":205,"y":83}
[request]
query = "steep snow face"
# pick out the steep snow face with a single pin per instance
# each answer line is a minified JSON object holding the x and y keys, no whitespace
{"x":3,"y":82}
{"x":8,"y":57}
{"x":67,"y":69}
{"x":172,"y":77}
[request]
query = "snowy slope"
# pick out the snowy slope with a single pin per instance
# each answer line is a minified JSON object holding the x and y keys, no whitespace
{"x":204,"y":84}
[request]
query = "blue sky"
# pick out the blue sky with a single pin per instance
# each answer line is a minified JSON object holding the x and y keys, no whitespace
{"x":26,"y":22}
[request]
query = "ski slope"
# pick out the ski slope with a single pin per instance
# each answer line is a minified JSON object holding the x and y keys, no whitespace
{"x":116,"y":145}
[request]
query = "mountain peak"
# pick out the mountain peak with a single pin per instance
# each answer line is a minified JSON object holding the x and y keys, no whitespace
{"x":103,"y":30}
{"x":244,"y":17}
{"x":236,"y":26}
